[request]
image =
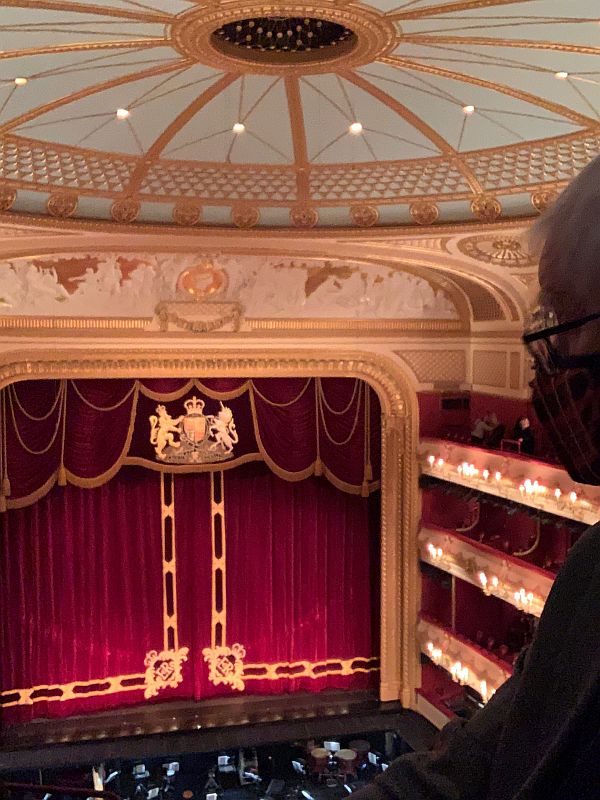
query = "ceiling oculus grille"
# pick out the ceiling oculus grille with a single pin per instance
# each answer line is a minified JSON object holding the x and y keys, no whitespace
{"x":293,"y":39}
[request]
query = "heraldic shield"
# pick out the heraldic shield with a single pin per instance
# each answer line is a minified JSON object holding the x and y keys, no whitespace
{"x":193,"y":437}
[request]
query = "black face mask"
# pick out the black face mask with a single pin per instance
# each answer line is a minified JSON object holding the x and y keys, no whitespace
{"x":567,"y":403}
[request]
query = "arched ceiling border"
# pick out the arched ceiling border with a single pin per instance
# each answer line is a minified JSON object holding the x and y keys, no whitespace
{"x":438,"y":268}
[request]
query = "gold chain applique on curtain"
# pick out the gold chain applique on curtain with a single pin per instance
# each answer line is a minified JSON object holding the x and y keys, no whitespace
{"x":164,"y":668}
{"x":225,"y":664}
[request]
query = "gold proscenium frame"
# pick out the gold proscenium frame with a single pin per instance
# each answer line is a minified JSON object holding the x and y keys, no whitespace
{"x":400,"y":508}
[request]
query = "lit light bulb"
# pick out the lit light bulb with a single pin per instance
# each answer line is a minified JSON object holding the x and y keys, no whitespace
{"x":122,"y":113}
{"x":498,"y":476}
{"x":20,"y":81}
{"x":486,"y":474}
{"x":557,"y":493}
{"x":468,"y":110}
{"x":431,"y":460}
{"x":356,"y":128}
{"x":561,"y":76}
{"x":573,"y":497}
{"x":239,"y":127}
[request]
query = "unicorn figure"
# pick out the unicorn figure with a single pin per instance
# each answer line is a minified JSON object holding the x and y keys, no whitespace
{"x":222,"y":430}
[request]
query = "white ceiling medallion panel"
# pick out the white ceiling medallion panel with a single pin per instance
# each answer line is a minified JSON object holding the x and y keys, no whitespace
{"x":449,"y":100}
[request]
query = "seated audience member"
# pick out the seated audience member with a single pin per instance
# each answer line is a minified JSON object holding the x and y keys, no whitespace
{"x":524,"y":435}
{"x":480,"y":429}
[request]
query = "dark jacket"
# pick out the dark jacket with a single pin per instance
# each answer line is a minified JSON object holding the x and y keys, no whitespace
{"x":530,"y":741}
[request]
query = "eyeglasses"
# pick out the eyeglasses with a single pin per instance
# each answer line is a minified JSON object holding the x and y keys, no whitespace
{"x":541,"y":339}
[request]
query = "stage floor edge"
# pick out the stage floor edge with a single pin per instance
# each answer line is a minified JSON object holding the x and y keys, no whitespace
{"x":207,"y":726}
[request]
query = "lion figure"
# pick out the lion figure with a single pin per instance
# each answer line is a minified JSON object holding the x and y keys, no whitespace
{"x":162,"y":428}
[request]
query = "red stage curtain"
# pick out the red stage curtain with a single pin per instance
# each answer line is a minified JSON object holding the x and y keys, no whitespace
{"x":81,"y":590}
{"x":83,"y":431}
{"x":82,"y":585}
{"x":302,"y":577}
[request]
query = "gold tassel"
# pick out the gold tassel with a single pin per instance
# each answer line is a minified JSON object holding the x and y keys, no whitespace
{"x":2,"y":503}
{"x":368,"y":472}
{"x":318,"y":467}
{"x":364,"y":491}
{"x":6,"y":486}
{"x":62,"y":475}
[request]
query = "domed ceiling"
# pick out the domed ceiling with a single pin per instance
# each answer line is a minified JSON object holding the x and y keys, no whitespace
{"x":296,"y":114}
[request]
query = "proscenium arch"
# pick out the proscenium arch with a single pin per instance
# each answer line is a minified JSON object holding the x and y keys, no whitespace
{"x":400,"y":508}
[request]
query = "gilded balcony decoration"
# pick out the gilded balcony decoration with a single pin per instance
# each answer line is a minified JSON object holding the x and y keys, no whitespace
{"x":536,"y":484}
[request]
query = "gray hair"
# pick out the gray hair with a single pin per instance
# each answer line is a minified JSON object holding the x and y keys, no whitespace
{"x":567,"y":239}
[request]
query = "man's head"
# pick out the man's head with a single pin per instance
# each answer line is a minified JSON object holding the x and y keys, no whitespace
{"x":566,"y":388}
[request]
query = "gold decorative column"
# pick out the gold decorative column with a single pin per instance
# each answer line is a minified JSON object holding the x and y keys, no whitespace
{"x":400,"y":672}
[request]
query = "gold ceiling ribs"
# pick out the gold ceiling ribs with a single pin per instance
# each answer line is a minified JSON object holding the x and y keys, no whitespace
{"x":492,"y":41}
{"x":448,"y":8}
{"x":180,"y":121}
{"x":104,"y":11}
{"x":292,"y":90}
{"x":518,"y":94}
{"x":57,"y":49}
{"x":418,"y":123}
{"x":90,"y":90}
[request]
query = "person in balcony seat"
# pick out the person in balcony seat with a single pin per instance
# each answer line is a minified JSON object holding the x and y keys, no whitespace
{"x":538,"y":738}
{"x":524,"y":435}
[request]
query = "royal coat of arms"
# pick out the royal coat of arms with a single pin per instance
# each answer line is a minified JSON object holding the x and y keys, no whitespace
{"x":193,"y":438}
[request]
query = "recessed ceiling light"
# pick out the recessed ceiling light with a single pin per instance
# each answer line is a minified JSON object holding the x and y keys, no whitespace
{"x":468,"y":110}
{"x":239,"y":127}
{"x":562,"y":76}
{"x":20,"y":81}
{"x":356,"y":128}
{"x":122,"y":113}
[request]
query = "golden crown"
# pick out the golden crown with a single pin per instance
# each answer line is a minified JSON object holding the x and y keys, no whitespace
{"x":194,"y":405}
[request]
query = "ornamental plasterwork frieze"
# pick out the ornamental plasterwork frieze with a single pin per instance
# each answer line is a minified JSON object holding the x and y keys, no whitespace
{"x":134,"y":285}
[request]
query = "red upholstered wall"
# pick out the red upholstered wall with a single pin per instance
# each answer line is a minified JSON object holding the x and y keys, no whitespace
{"x":437,"y":422}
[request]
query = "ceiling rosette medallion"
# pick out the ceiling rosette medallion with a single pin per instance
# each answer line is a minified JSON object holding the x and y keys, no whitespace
{"x":62,"y":204}
{"x":125,"y":210}
{"x":364,"y":216}
{"x":304,"y":217}
{"x":8,"y":195}
{"x":245,"y":216}
{"x":543,"y":199}
{"x":505,"y":251}
{"x":187,"y":212}
{"x":196,"y":34}
{"x":486,"y":208}
{"x":424,"y":212}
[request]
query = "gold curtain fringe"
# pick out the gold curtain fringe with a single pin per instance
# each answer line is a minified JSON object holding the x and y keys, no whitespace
{"x":103,"y":408}
{"x":354,"y":424}
{"x":12,"y":388}
{"x":323,"y":399}
{"x":167,"y":397}
{"x":289,"y":402}
{"x":44,"y":450}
